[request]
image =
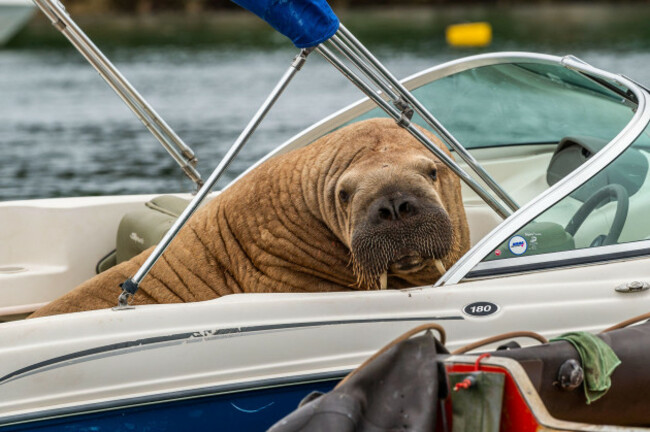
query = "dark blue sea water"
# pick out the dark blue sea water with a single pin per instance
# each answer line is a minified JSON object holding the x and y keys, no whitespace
{"x":63,"y":132}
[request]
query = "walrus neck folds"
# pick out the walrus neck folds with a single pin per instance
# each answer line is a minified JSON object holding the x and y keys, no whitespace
{"x":325,"y":169}
{"x":297,"y":242}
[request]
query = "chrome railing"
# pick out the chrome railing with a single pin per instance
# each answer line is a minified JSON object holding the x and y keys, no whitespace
{"x":174,"y":145}
{"x":345,"y":42}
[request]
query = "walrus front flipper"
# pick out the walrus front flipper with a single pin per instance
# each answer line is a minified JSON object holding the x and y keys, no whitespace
{"x":99,"y":292}
{"x":85,"y":297}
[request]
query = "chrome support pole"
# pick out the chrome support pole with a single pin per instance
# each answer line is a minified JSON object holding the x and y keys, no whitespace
{"x":345,"y":41}
{"x":371,"y":75}
{"x":354,"y":58}
{"x":130,"y":286}
{"x":174,"y":145}
{"x":417,"y":133}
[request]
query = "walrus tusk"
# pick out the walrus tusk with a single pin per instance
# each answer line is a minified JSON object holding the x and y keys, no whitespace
{"x":383,"y":280}
{"x":441,"y":268}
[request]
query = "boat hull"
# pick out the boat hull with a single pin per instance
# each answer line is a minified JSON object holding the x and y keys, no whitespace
{"x":255,"y":409}
{"x":13,"y":15}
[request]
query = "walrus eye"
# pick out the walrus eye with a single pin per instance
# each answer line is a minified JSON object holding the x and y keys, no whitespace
{"x":344,"y":196}
{"x":433,"y":174}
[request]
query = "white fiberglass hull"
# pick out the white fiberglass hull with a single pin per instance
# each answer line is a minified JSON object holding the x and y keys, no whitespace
{"x":107,"y":360}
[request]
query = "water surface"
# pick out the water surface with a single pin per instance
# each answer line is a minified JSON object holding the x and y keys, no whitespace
{"x":63,"y":132}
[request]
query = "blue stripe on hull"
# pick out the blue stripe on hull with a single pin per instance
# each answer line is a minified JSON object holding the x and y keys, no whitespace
{"x":254,"y":410}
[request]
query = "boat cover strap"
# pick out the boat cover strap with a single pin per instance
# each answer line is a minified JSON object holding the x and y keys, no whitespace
{"x":598,"y":362}
{"x":306,"y":22}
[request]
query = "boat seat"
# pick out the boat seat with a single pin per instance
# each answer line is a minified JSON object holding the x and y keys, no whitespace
{"x":629,"y":170}
{"x":140,"y":229}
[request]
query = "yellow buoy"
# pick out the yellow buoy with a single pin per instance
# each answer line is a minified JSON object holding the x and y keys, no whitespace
{"x":478,"y":34}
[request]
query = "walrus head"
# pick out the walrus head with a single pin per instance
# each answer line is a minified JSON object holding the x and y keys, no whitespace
{"x":393,"y":199}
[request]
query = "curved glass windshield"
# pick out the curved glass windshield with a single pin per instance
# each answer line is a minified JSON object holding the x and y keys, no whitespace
{"x":522,"y":103}
{"x":610,"y":208}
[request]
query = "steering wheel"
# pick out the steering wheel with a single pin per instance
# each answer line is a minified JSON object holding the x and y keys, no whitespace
{"x":603,"y":195}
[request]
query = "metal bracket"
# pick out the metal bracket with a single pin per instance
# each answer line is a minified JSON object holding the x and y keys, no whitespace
{"x":405,"y":110}
{"x":129,"y":288}
{"x":301,"y":58}
{"x":404,"y":107}
{"x":123,"y":302}
{"x":633,"y":286}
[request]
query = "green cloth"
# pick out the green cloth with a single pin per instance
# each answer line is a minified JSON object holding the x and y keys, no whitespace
{"x":598,"y":362}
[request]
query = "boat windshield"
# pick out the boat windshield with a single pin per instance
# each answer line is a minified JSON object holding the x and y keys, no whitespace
{"x":610,"y":208}
{"x":522,"y":103}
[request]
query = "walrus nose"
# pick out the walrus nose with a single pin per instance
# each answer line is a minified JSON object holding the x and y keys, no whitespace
{"x":394,"y":208}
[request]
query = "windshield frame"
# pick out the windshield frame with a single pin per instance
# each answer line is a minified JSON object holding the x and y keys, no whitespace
{"x":412,"y":82}
{"x":472,"y":260}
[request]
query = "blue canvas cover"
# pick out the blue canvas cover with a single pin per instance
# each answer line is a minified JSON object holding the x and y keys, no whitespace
{"x":306,"y":22}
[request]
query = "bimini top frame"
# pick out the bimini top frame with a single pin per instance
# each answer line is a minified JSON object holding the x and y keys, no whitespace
{"x":174,"y":145}
{"x":310,"y":23}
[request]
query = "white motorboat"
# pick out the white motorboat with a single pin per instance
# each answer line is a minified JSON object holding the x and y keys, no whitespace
{"x":560,"y":242}
{"x":13,"y":16}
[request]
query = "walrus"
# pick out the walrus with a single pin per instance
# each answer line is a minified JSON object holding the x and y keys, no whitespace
{"x":364,"y":207}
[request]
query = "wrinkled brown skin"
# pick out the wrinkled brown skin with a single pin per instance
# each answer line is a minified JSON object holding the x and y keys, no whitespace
{"x":284,"y":227}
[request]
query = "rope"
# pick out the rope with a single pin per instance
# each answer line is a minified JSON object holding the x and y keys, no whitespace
{"x":498,"y":338}
{"x":628,"y":322}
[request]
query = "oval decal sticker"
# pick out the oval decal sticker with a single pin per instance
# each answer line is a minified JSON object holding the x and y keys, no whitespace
{"x":480,"y":308}
{"x":518,"y":245}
